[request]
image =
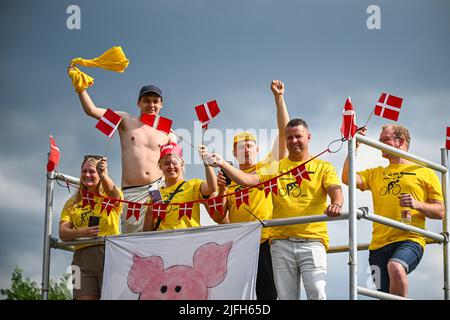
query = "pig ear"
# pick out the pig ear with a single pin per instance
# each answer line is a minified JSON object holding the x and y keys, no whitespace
{"x":143,"y":271}
{"x":211,"y":261}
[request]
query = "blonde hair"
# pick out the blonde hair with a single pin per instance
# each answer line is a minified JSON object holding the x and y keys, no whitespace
{"x":73,"y":201}
{"x":399,"y":132}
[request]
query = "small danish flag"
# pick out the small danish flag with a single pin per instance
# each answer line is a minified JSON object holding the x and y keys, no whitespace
{"x":134,"y":209}
{"x":87,"y":198}
{"x":388,"y":106}
{"x":300,"y":173}
{"x":206,"y":112}
{"x":109,"y":122}
{"x":242,"y":196}
{"x":157,"y":122}
{"x":215,"y":204}
{"x":53,"y":156}
{"x":447,"y":143}
{"x":348,"y":127}
{"x":159,"y":210}
{"x":271,"y":186}
{"x":108,"y":204}
{"x":185,"y":209}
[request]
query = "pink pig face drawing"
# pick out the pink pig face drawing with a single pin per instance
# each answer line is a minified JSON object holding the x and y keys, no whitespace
{"x":149,"y":278}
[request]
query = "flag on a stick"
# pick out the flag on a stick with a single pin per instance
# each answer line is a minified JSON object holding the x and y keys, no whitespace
{"x":348,"y":127}
{"x":109,"y":122}
{"x":206,"y":112}
{"x":388,"y":106}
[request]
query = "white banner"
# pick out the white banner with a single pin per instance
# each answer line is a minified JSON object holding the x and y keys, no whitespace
{"x":214,"y":262}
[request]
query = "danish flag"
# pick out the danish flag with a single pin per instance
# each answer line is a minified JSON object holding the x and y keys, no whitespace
{"x":206,"y":112}
{"x":157,"y":122}
{"x":88,"y":198}
{"x":134,"y":209}
{"x":388,"y":106}
{"x":242,"y":196}
{"x":447,"y":144}
{"x":270,"y":186}
{"x":348,"y":127}
{"x":159,"y":210}
{"x":53,"y":156}
{"x":215,"y":204}
{"x":109,"y":122}
{"x":108,"y":204}
{"x":300,"y":173}
{"x":185,"y":209}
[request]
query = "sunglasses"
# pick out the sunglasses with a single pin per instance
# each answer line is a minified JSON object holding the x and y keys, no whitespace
{"x":93,"y":156}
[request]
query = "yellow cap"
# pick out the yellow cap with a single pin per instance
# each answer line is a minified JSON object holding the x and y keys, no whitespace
{"x":243,"y":136}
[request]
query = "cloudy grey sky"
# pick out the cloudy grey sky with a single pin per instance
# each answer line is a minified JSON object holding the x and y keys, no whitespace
{"x":199,"y":50}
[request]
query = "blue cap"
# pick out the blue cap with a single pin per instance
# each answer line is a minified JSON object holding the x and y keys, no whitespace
{"x":150,"y":88}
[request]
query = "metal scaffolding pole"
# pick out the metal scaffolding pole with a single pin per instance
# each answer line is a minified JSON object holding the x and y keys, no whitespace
{"x":47,"y":235}
{"x":445,"y":224}
{"x":352,"y":235}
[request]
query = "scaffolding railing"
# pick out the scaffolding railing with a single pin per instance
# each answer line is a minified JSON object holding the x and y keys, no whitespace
{"x":353,"y":215}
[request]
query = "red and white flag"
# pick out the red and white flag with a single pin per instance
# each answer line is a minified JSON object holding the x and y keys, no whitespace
{"x":185,"y":209}
{"x":271,"y":186}
{"x":53,"y":156}
{"x":206,"y":112}
{"x":108,"y":204}
{"x":447,"y":142}
{"x":300,"y":173}
{"x":159,"y":210}
{"x":215,"y":204}
{"x":157,"y":122}
{"x":134,"y":209}
{"x":88,"y":198}
{"x":109,"y":122}
{"x":242,"y":196}
{"x":388,"y":106}
{"x":348,"y":127}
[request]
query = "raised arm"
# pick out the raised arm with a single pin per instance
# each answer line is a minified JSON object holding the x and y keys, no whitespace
{"x":107,"y":183}
{"x":279,"y":149}
{"x":240,"y":177}
{"x":210,"y":186}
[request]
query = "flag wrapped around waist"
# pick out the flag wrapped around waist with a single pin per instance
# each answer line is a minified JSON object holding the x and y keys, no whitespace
{"x":113,"y":59}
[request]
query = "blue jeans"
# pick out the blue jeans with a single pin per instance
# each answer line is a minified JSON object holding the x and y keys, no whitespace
{"x":407,"y":253}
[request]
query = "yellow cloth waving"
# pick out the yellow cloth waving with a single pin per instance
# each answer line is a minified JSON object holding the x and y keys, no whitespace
{"x":113,"y":59}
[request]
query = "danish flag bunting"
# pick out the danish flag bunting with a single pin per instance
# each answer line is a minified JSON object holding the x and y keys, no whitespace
{"x":388,"y":106}
{"x":53,"y":156}
{"x":109,"y":122}
{"x":134,"y":209}
{"x":206,"y":112}
{"x":447,"y":143}
{"x":300,"y":173}
{"x":242,"y":196}
{"x":88,"y":198}
{"x":270,"y":186}
{"x":159,"y":210}
{"x":108,"y":204}
{"x":215,"y":204}
{"x":157,"y":122}
{"x":348,"y":127}
{"x":185,"y":209}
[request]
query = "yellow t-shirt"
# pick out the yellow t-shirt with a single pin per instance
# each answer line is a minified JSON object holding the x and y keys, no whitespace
{"x":260,"y":206}
{"x":190,"y":191}
{"x":78,"y":216}
{"x":294,"y":201}
{"x":386,"y":184}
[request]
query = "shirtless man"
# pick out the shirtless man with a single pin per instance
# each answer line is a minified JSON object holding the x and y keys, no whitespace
{"x":140,"y":146}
